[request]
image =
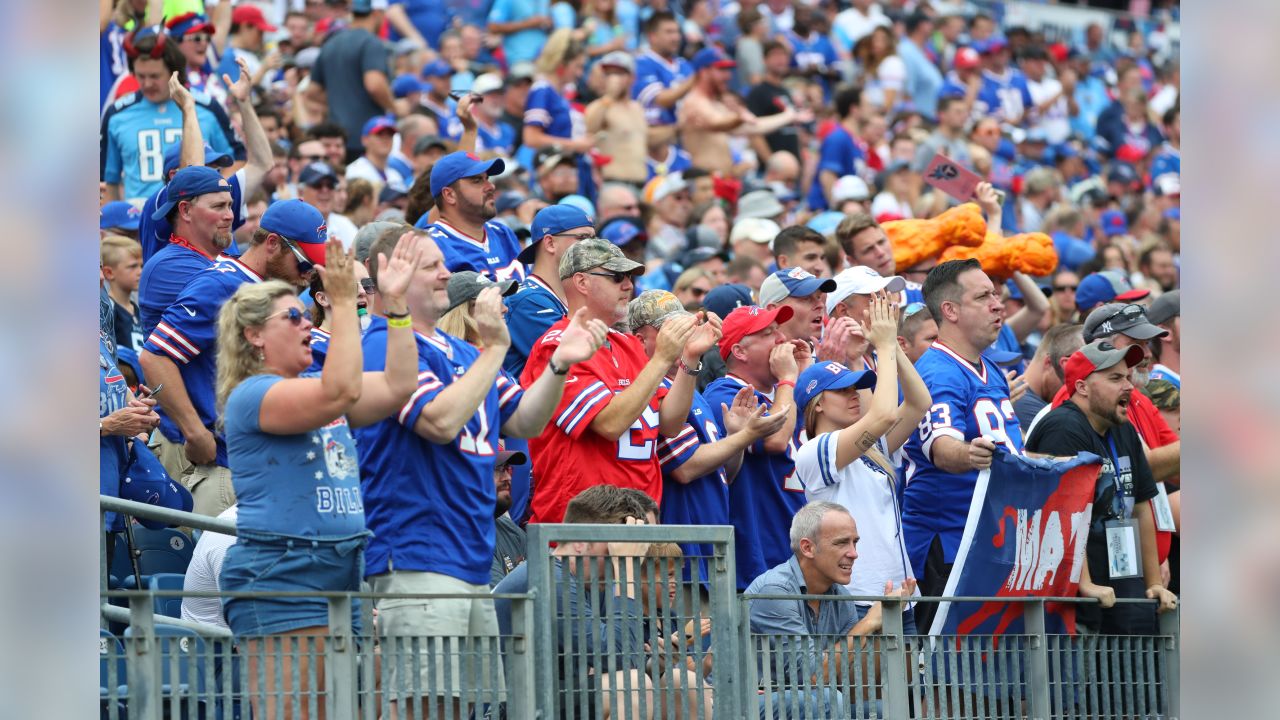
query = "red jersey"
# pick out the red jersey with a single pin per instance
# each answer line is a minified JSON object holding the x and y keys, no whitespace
{"x":567,"y":457}
{"x":1155,"y":432}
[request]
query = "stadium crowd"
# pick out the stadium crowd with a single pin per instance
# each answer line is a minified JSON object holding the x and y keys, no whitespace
{"x":388,"y":282}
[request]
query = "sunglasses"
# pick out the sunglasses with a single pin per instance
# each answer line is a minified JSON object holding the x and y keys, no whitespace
{"x":369,"y":286}
{"x":197,"y":37}
{"x":314,"y":158}
{"x":698,"y":292}
{"x":1065,"y":288}
{"x":304,"y":265}
{"x":1129,"y":312}
{"x":617,"y":277}
{"x":293,"y":315}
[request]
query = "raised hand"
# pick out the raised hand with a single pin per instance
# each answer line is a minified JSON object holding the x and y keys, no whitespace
{"x":835,"y":341}
{"x":464,"y":111}
{"x":884,"y":323}
{"x":338,"y":273}
{"x":673,"y":337}
{"x":581,"y":338}
{"x":1017,"y":385}
{"x":706,"y":334}
{"x":395,"y":274}
{"x":243,"y":84}
{"x":782,"y":362}
{"x":987,"y":198}
{"x":620,"y":549}
{"x":179,"y":93}
{"x":760,"y":425}
{"x":744,"y":406}
{"x":490,"y":324}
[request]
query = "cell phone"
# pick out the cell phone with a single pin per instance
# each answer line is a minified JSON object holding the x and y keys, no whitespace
{"x":474,"y":98}
{"x":156,"y":391}
{"x":1000,"y":197}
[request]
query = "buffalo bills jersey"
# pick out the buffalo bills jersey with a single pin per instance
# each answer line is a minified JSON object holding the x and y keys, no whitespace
{"x":136,"y":132}
{"x":154,"y":234}
{"x":702,"y":501}
{"x":764,"y":495}
{"x":530,"y":314}
{"x":498,"y":138}
{"x":677,"y":160}
{"x":568,"y":457}
{"x":187,"y":334}
{"x":969,"y":401}
{"x":546,"y":108}
{"x":1005,"y":96}
{"x":1167,"y":161}
{"x":319,"y":348}
{"x":430,"y":506}
{"x":839,"y":154}
{"x":164,"y":277}
{"x":494,"y":255}
{"x":655,"y":74}
{"x":112,"y":62}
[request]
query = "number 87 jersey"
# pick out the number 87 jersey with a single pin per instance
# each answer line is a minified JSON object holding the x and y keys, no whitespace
{"x":968,"y":402}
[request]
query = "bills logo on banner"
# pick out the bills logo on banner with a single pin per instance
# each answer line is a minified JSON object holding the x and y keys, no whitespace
{"x":1025,"y":537}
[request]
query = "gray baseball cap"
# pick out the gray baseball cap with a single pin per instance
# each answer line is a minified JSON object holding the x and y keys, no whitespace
{"x":652,"y":308}
{"x":596,"y":253}
{"x":465,"y":285}
{"x":1127,"y":319}
{"x":1166,"y":307}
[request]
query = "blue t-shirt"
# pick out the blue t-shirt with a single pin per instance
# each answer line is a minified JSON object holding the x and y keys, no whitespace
{"x":432,"y":17}
{"x":495,"y":255}
{"x":136,"y":133}
{"x":923,"y":78}
{"x":305,"y":485}
{"x":1005,"y":96}
{"x":188,"y":333}
{"x":654,"y":74}
{"x":499,"y":138}
{"x":154,"y":234}
{"x":163,"y":278}
{"x":524,"y":45}
{"x":113,"y":450}
{"x":840,"y":155}
{"x":430,"y":506}
{"x":763,"y":497}
{"x":705,"y":500}
{"x":530,"y":314}
{"x":967,"y":403}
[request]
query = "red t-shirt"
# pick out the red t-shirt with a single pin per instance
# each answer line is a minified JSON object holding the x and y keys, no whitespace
{"x":1155,"y":432}
{"x":567,"y":457}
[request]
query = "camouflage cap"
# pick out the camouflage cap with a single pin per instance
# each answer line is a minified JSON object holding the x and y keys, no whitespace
{"x":596,"y":253}
{"x":1164,"y":395}
{"x":652,"y":308}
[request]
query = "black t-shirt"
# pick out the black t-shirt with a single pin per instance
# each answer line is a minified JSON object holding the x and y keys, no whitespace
{"x":1065,"y":431}
{"x":768,"y":99}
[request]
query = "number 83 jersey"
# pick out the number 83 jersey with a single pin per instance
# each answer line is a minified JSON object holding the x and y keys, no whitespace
{"x":969,"y":401}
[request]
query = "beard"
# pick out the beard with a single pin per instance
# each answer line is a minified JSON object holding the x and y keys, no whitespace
{"x":222,"y":240}
{"x":502,"y":505}
{"x":483,"y":210}
{"x":1140,"y":377}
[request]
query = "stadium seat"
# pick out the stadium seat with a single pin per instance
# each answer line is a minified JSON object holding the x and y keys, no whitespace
{"x":159,"y":551}
{"x":182,"y":663}
{"x":170,"y":606}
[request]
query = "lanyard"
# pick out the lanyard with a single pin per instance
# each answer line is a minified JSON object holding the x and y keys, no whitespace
{"x":1118,"y":505}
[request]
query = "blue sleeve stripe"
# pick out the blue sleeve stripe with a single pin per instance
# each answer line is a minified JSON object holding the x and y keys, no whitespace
{"x":573,"y":406}
{"x":825,"y":460}
{"x":599,"y":397}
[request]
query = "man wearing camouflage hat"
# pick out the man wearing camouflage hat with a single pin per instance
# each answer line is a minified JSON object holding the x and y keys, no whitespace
{"x":1166,"y":312}
{"x":607,"y":425}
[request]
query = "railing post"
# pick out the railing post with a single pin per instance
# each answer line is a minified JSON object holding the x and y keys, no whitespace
{"x":340,"y":661}
{"x":541,"y":589}
{"x":725,"y":649}
{"x":522,"y":651}
{"x":1170,"y":646}
{"x":143,"y":672}
{"x":102,"y":564}
{"x":894,"y":660}
{"x":1037,"y":659}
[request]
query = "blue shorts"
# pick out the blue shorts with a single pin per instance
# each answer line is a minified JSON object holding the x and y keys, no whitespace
{"x":263,"y":563}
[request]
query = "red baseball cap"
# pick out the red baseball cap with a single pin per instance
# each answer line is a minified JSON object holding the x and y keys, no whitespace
{"x":749,"y":320}
{"x":967,"y":58}
{"x":1097,"y":355}
{"x":252,"y":16}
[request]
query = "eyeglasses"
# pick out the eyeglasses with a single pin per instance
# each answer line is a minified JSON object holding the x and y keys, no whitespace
{"x":1065,"y":288}
{"x":912,"y":309}
{"x":617,"y":277}
{"x":575,"y":236}
{"x":293,"y":315}
{"x":304,"y":265}
{"x":369,"y":286}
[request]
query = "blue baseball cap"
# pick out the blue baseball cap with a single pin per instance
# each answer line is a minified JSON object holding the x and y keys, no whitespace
{"x":436,"y":68}
{"x":792,"y":282}
{"x":300,"y":223}
{"x":187,"y":23}
{"x":119,"y":214}
{"x":712,"y":57}
{"x":1015,"y":293}
{"x":1002,"y":357}
{"x":405,"y":84}
{"x":829,"y":375}
{"x":314,"y":172}
{"x":212,"y":158}
{"x":1104,"y":287}
{"x":623,"y":230}
{"x":993,"y":44}
{"x":145,"y":481}
{"x":453,"y":167}
{"x":1114,"y":223}
{"x":723,"y":299}
{"x":188,"y":184}
{"x":377,"y":124}
{"x":552,"y":220}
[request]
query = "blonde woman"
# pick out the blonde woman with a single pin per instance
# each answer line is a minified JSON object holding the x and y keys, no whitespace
{"x":301,"y":522}
{"x":463,"y":289}
{"x":548,"y":119}
{"x":846,"y":459}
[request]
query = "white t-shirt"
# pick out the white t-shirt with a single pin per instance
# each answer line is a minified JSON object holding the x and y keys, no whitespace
{"x":887,"y":202}
{"x":1056,"y":120}
{"x":851,"y":25}
{"x":202,"y":575}
{"x":341,"y":227}
{"x":365,"y":169}
{"x":867,"y":491}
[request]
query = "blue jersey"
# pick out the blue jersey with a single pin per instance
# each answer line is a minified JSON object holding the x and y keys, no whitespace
{"x":814,"y":52}
{"x":319,"y":348}
{"x":1005,"y":96}
{"x":154,"y":234}
{"x":499,"y":138}
{"x":136,"y":133}
{"x":187,"y":334}
{"x":705,"y":500}
{"x":305,"y":484}
{"x":446,"y":117}
{"x":1167,"y":161}
{"x":530,"y":314}
{"x":495,"y":255}
{"x":839,"y":154}
{"x":763,"y":497}
{"x":967,"y":403}
{"x":677,"y":161}
{"x":113,"y":63}
{"x":655,"y":74}
{"x":547,"y":109}
{"x":430,"y":506}
{"x":163,"y":278}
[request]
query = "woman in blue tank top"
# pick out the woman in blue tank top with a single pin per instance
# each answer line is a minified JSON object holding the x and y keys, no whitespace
{"x":301,"y":523}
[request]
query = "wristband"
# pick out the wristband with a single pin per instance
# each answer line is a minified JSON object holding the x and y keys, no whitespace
{"x":792,"y":383}
{"x":399,"y":321}
{"x":688,"y":370}
{"x":551,"y":363}
{"x":396,"y":316}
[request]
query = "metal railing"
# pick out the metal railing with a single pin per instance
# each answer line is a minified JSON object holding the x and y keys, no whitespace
{"x":592,"y":637}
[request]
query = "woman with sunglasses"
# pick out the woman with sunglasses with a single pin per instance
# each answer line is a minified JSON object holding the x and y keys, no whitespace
{"x":847,"y":458}
{"x":301,"y":522}
{"x":322,"y":317}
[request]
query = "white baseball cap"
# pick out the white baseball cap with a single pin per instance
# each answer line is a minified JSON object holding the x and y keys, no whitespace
{"x":861,"y":280}
{"x":759,"y":230}
{"x":486,"y":83}
{"x":850,"y":187}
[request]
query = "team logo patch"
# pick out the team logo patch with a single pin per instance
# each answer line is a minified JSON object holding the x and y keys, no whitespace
{"x":797,"y":273}
{"x":322,"y":233}
{"x":812,"y":384}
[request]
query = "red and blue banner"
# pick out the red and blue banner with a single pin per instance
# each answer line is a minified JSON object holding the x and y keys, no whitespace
{"x":1025,"y":536}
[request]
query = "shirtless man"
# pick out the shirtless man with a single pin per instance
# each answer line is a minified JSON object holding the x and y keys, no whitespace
{"x":708,"y":114}
{"x":619,"y":122}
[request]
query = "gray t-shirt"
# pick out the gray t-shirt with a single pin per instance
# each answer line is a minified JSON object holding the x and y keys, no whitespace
{"x":1026,"y":408}
{"x":509,"y":549}
{"x":344,"y":59}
